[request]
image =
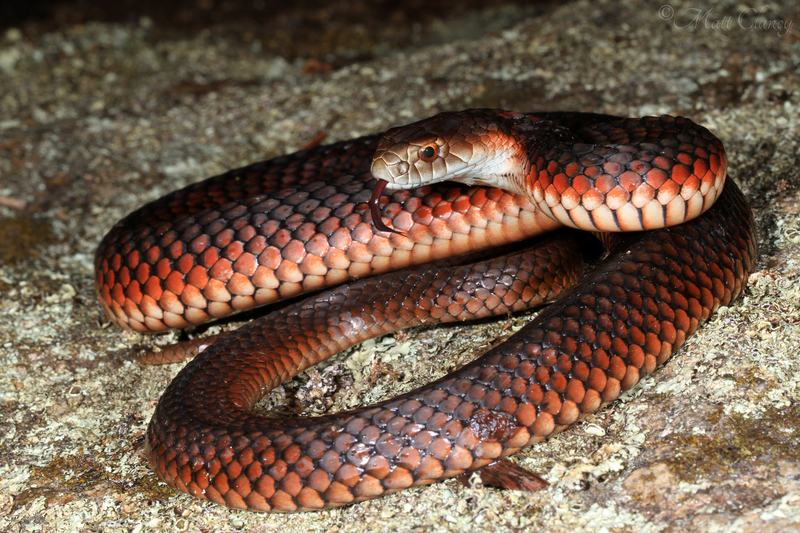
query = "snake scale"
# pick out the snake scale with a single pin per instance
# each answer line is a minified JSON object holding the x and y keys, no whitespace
{"x":302,"y":222}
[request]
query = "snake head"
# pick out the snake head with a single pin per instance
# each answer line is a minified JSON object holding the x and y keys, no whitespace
{"x":473,"y":147}
{"x":468,"y":147}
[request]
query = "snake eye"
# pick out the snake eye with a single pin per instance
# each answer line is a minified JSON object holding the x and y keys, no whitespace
{"x":428,"y":153}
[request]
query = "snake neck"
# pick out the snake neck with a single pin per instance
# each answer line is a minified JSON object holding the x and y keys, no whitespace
{"x":535,"y":141}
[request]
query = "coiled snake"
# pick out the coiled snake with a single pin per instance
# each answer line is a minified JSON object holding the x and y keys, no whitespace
{"x":301,"y":222}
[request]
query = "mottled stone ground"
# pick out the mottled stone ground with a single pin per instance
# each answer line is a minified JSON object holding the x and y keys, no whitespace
{"x":96,"y":119}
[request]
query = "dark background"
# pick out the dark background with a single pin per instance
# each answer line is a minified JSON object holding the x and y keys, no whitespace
{"x":337,"y":32}
{"x":37,"y":16}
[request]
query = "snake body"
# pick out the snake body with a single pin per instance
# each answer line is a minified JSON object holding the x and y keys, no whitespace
{"x":180,"y":260}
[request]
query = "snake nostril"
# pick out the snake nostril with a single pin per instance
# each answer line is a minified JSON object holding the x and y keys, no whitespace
{"x":402,"y":167}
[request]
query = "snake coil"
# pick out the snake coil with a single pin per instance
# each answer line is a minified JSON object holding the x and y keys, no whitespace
{"x":302,"y":222}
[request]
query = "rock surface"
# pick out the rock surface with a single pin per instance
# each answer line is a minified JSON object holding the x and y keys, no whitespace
{"x":99,"y":118}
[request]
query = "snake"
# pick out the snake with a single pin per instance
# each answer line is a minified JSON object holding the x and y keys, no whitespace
{"x":681,"y":241}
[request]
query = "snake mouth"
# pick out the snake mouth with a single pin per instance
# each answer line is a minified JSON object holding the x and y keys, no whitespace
{"x":394,"y":186}
{"x":407,"y":175}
